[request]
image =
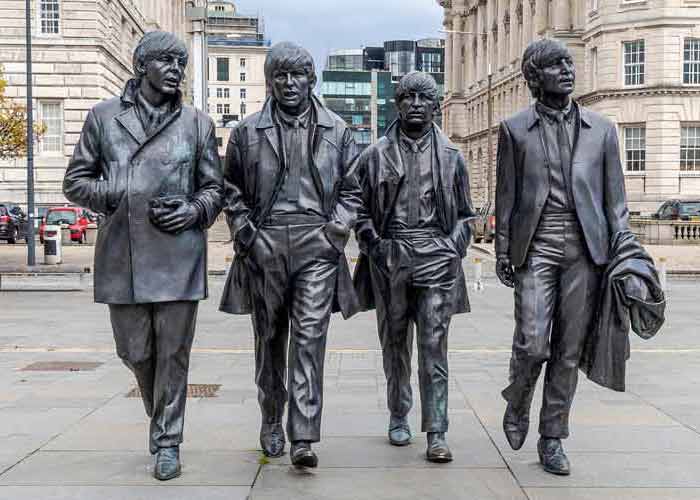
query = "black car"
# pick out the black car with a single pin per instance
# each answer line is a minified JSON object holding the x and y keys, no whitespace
{"x":13,"y":223}
{"x":678,"y":210}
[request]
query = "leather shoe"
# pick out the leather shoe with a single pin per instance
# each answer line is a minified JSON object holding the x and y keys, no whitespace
{"x":552,"y":456}
{"x":302,"y":455}
{"x":167,"y":464}
{"x":272,"y":440}
{"x":399,"y":431}
{"x":438,"y":451}
{"x":515,"y":426}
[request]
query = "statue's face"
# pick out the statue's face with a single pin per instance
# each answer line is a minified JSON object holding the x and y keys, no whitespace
{"x":416,"y":109}
{"x":165,"y":73}
{"x":558,"y":76}
{"x":291,"y":87}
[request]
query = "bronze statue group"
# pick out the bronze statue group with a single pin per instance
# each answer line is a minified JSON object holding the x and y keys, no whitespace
{"x":293,"y":187}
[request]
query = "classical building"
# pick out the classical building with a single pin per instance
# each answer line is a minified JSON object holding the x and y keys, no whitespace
{"x":236,"y":81}
{"x":82,"y":54}
{"x":638,"y":63}
{"x":359,"y":84}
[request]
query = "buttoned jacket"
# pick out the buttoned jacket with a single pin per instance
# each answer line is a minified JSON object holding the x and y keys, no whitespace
{"x":117,"y":169}
{"x":523,"y":183}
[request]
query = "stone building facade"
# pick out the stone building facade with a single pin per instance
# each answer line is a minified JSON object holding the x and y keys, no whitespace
{"x":81,"y":54}
{"x":638,"y":62}
{"x":236,"y":62}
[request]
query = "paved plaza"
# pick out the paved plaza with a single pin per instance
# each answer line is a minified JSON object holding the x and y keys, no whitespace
{"x":74,"y":435}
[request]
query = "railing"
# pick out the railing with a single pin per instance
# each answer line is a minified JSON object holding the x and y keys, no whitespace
{"x":666,"y":232}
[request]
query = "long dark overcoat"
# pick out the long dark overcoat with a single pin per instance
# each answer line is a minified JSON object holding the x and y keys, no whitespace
{"x":382,"y":173}
{"x":116,"y":170}
{"x":254,"y":164}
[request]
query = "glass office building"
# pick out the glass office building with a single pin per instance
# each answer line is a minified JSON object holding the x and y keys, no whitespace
{"x":359,"y":84}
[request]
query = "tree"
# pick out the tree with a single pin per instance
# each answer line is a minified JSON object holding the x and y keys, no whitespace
{"x":13,"y":125}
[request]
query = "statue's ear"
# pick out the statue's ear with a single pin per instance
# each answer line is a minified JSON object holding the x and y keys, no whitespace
{"x":312,"y":82}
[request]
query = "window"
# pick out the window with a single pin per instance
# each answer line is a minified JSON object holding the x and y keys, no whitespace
{"x":227,"y":109}
{"x":51,"y":115}
{"x":219,"y":141}
{"x":690,"y":148}
{"x":243,"y":77}
{"x":227,"y":93}
{"x":691,"y":61}
{"x":219,"y":108}
{"x":242,"y":64}
{"x":219,"y":8}
{"x":219,"y":92}
{"x":243,"y":93}
{"x":222,"y":69}
{"x":243,"y":109}
{"x":635,"y":148}
{"x":634,"y":62}
{"x":49,"y":16}
{"x":357,"y":119}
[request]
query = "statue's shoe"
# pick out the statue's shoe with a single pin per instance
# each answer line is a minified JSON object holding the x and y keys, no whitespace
{"x":438,"y":451}
{"x":516,"y":424}
{"x":272,"y":440}
{"x":552,"y":456}
{"x":302,"y":455}
{"x":167,"y":463}
{"x":399,"y":431}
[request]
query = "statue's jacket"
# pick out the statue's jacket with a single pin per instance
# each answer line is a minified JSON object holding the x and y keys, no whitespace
{"x":254,"y":168}
{"x":382,"y":173}
{"x":117,"y":169}
{"x":597,"y":182}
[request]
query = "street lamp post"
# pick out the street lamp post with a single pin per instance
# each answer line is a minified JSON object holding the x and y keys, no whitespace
{"x":489,"y":140}
{"x":31,"y":244}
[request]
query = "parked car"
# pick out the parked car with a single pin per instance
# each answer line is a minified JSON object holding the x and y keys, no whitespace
{"x":13,"y":223}
{"x":484,"y":226}
{"x":678,"y":210}
{"x":77,"y":220}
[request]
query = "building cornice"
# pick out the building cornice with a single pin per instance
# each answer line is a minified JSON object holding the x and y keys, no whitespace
{"x":647,"y":24}
{"x":651,"y":91}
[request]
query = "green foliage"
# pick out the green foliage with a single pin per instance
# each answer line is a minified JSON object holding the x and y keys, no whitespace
{"x":13,"y":125}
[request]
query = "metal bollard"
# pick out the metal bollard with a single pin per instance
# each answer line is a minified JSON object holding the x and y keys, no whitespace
{"x":662,"y":274}
{"x":478,"y":275}
{"x":53,"y":253}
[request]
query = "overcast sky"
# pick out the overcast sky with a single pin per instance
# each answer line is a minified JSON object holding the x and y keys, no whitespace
{"x":323,"y":25}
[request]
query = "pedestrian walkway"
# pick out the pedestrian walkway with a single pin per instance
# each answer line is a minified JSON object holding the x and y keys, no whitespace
{"x":76,"y":435}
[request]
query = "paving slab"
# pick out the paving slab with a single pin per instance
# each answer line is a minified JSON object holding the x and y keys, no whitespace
{"x":105,"y":492}
{"x":613,"y":493}
{"x":82,"y":468}
{"x":611,"y":470}
{"x":286,"y":482}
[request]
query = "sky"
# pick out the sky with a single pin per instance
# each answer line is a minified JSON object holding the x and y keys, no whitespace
{"x":324,"y":25}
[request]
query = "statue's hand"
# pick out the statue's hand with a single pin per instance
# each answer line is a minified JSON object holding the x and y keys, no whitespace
{"x":504,"y":271}
{"x":175,"y":216}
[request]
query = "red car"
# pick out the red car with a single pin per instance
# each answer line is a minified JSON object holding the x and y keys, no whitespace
{"x":77,"y":220}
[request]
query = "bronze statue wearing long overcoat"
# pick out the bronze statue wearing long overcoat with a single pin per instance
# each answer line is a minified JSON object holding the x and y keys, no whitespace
{"x":254,"y":151}
{"x":116,"y":170}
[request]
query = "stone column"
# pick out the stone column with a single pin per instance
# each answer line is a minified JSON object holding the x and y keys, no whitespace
{"x":561,"y":17}
{"x":540,"y":16}
{"x":447,"y":24}
{"x":480,"y":29}
{"x":467,"y":63}
{"x":527,"y":14}
{"x":457,"y":70}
